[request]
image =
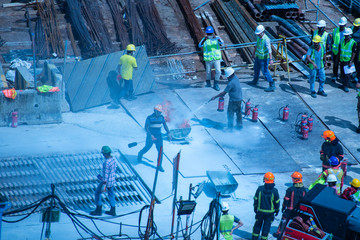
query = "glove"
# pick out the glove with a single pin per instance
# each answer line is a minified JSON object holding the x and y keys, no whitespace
{"x":276,"y":213}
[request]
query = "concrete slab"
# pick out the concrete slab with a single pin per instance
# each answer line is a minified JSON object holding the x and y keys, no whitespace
{"x":253,"y":148}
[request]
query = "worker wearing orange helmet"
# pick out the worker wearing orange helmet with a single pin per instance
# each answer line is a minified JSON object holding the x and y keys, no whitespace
{"x":354,"y":187}
{"x":153,"y":125}
{"x":292,"y":196}
{"x":266,"y":207}
{"x":331,"y":147}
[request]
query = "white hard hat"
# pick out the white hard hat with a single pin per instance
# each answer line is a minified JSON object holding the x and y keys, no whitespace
{"x":259,"y":29}
{"x":331,"y":178}
{"x":158,"y":108}
{"x":343,"y":21}
{"x":225,"y":206}
{"x":348,"y":31}
{"x":229,"y":71}
{"x":321,"y":23}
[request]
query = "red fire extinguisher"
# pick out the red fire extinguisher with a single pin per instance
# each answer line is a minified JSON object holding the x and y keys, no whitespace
{"x":255,"y":113}
{"x":285,"y":113}
{"x":303,"y":125}
{"x":14,"y":119}
{"x":305,"y":132}
{"x":247,"y":108}
{"x":310,"y":123}
{"x":221,"y":104}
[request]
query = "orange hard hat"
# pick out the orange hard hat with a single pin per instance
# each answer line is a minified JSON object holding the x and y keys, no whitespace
{"x":296,"y":177}
{"x":269,"y":177}
{"x":158,"y":108}
{"x":329,"y":135}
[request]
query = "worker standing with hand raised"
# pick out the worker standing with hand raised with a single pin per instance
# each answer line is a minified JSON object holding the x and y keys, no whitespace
{"x":227,"y":222}
{"x":212,"y":56}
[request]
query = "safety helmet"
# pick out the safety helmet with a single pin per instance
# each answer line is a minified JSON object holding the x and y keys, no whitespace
{"x":259,"y":29}
{"x":225,"y":206}
{"x":348,"y":31}
{"x":229,"y":71}
{"x":329,"y":135}
{"x":334,"y":161}
{"x":343,"y":21}
{"x":331,"y":178}
{"x":357,"y":22}
{"x":269,"y":177}
{"x":321,"y":23}
{"x":106,"y":150}
{"x":158,"y":108}
{"x":209,"y":30}
{"x":316,"y":39}
{"x":130,"y":47}
{"x":296,"y":177}
{"x":355,"y":183}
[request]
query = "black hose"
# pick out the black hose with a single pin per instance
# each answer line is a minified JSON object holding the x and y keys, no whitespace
{"x":210,"y":222}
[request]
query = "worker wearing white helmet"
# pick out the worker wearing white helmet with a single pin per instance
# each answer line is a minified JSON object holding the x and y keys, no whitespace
{"x":331,"y":182}
{"x":337,"y":37}
{"x":325,"y":40}
{"x":356,"y":36}
{"x":347,"y":57}
{"x":227,"y":222}
{"x":262,"y":56}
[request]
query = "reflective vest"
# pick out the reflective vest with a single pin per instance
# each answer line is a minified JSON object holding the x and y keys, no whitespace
{"x":356,"y":197}
{"x":212,"y":50}
{"x":261,"y":50}
{"x":323,"y":37}
{"x":338,"y":172}
{"x":10,"y":93}
{"x":312,"y":57}
{"x":336,"y":37}
{"x":346,"y":50}
{"x":226,"y":224}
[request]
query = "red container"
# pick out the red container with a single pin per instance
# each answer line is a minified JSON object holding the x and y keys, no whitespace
{"x":221,"y":104}
{"x":14,"y":119}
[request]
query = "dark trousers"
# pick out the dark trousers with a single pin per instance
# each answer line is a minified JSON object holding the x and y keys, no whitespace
{"x":114,"y":86}
{"x":128,"y":89}
{"x":149,"y":142}
{"x":357,"y":67}
{"x":345,"y":78}
{"x":262,"y":220}
{"x":234,"y":107}
{"x":336,"y":59}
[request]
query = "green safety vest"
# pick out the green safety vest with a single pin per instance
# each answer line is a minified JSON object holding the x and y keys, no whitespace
{"x":312,"y":57}
{"x":346,"y":50}
{"x":356,"y":196}
{"x":212,"y":50}
{"x":261,"y":50}
{"x":226,"y":224}
{"x":336,"y":37}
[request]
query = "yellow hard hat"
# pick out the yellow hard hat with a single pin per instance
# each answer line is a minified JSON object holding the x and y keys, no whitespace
{"x":316,"y":39}
{"x":357,"y":22}
{"x":355,"y":183}
{"x":130,"y":47}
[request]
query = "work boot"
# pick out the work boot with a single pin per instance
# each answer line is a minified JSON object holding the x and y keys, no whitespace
{"x":254,"y":82}
{"x":113,"y":105}
{"x":346,"y":89}
{"x":216,"y":86}
{"x":97,"y":211}
{"x":358,"y":129}
{"x":112,"y":211}
{"x":322,"y":93}
{"x":208,"y":84}
{"x":271,"y":87}
{"x":333,"y":79}
{"x":313,"y":94}
{"x":131,"y":98}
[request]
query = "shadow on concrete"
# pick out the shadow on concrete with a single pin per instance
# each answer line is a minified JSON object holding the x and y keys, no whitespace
{"x":298,"y":88}
{"x":335,"y":121}
{"x":255,"y":86}
{"x":210,"y":123}
{"x":241,"y":233}
{"x":132,"y":159}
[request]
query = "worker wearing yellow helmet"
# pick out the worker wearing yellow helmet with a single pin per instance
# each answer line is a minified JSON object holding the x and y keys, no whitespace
{"x":354,"y":187}
{"x":356,"y":36}
{"x":317,"y":62}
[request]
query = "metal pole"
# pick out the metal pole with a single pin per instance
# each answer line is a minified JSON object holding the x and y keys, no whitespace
{"x":317,"y":12}
{"x":3,"y":207}
{"x":186,"y":237}
{"x":48,"y":230}
{"x":178,"y":223}
{"x":175,"y":195}
{"x":324,"y":14}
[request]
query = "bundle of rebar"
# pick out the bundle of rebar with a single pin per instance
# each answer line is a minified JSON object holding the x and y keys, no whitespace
{"x":135,"y":33}
{"x":41,"y":46}
{"x":157,"y":41}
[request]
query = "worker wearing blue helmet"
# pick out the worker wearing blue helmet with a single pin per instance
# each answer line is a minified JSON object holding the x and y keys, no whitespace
{"x":212,"y":56}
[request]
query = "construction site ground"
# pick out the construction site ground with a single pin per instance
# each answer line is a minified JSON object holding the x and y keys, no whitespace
{"x":266,"y":145}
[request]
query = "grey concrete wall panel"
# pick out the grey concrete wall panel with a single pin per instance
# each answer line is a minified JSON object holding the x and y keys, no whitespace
{"x":3,"y":82}
{"x":85,"y":81}
{"x":23,"y":78}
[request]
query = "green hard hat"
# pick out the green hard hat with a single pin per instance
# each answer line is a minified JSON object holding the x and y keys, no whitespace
{"x":106,"y":150}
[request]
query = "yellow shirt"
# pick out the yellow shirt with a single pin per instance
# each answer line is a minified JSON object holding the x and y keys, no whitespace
{"x":127,"y":63}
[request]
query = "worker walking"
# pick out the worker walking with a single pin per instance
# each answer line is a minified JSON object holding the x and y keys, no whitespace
{"x":153,"y":125}
{"x":262,"y":55}
{"x":212,"y":56}
{"x":292,"y":196}
{"x":347,"y":56}
{"x":235,"y":98}
{"x":325,"y":39}
{"x":227,"y":221}
{"x":317,"y":63}
{"x":106,"y":183}
{"x":126,"y":65}
{"x":331,"y":147}
{"x":266,"y":207}
{"x":337,"y":37}
{"x":354,"y":187}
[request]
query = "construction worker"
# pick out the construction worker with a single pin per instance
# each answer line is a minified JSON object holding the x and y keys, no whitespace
{"x":356,"y":36}
{"x":331,"y":182}
{"x":335,"y":170}
{"x":266,"y":207}
{"x":317,"y":62}
{"x":106,"y":183}
{"x":325,"y":39}
{"x":235,"y":94}
{"x":212,"y":56}
{"x":262,"y":55}
{"x":125,"y":68}
{"x":347,"y":57}
{"x":355,"y":197}
{"x":358,"y":111}
{"x":337,"y":37}
{"x":153,"y":133}
{"x":227,"y":222}
{"x":354,"y":187}
{"x":292,"y":196}
{"x":331,"y":147}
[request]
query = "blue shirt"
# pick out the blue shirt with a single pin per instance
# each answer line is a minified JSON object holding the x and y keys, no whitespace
{"x":154,"y":123}
{"x":234,"y":89}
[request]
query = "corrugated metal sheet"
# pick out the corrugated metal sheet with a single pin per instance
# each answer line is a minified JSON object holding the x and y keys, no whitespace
{"x":85,"y":81}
